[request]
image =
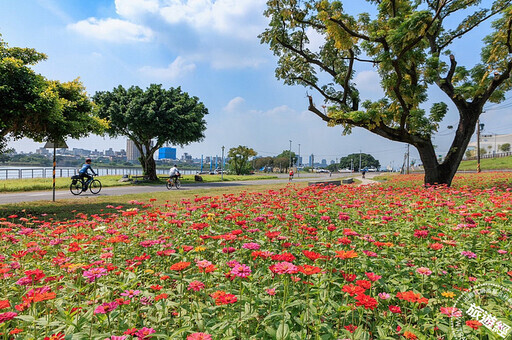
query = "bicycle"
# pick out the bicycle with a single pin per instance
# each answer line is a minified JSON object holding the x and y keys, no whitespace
{"x":79,"y":185}
{"x":175,"y":181}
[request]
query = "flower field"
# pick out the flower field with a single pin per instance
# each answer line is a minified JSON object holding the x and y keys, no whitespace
{"x":369,"y":262}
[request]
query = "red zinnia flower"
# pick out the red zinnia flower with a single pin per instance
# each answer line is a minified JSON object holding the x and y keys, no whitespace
{"x":350,"y":254}
{"x":179,"y":266}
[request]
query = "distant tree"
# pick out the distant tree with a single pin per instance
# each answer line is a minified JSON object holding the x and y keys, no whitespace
{"x":367,"y":161}
{"x":282,"y":163}
{"x":286,"y":154}
{"x":239,"y":159}
{"x":470,"y":153}
{"x":32,"y":106}
{"x":263,"y":162}
{"x":6,"y":155}
{"x":408,"y":44}
{"x":505,"y":147}
{"x":151,"y":118}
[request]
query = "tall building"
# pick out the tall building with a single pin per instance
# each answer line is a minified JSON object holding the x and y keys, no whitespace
{"x":311,"y":160}
{"x":167,"y":153}
{"x":132,"y":153}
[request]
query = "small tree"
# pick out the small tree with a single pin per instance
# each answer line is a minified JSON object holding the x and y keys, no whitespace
{"x":263,"y":163}
{"x":505,"y":147}
{"x":32,"y":106}
{"x":367,"y":160}
{"x":239,"y":159}
{"x":151,"y":118}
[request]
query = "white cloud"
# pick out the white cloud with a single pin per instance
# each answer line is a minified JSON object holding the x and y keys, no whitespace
{"x":233,"y":18}
{"x":177,"y":69}
{"x":112,"y":30}
{"x":134,"y":9}
{"x":234,"y":104}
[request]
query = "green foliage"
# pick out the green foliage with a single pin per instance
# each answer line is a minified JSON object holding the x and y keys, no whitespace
{"x":151,"y":118}
{"x":32,"y":106}
{"x":239,"y":159}
{"x":407,"y":43}
{"x":367,"y":161}
{"x":505,"y":147}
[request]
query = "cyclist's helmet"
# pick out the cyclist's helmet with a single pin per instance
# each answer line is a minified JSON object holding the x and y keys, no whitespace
{"x":175,"y":165}
{"x":88,"y":160}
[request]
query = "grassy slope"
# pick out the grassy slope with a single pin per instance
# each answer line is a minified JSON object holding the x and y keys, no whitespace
{"x":488,"y":164}
{"x":67,"y":209}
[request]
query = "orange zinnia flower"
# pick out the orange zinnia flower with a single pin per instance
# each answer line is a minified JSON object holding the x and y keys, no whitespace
{"x":350,"y":254}
{"x":309,"y":270}
{"x":179,"y":266}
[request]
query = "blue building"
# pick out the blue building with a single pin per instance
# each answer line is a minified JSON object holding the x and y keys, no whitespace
{"x":167,"y":153}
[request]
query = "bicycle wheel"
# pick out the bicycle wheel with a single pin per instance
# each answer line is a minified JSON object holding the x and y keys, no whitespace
{"x":75,"y":188}
{"x":95,"y":186}
{"x":177,"y":184}
{"x":168,"y":184}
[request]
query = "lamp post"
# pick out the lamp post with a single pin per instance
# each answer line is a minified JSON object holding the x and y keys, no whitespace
{"x":222,"y":165}
{"x":290,"y":153}
{"x":54,"y":143}
{"x":479,"y":127}
{"x":298,"y":162}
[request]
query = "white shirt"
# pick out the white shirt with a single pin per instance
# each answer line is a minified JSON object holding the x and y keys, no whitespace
{"x":173,"y":171}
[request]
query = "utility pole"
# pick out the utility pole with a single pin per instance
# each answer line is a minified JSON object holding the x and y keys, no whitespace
{"x":359,"y":160}
{"x":298,"y":162}
{"x":478,"y":146}
{"x":290,"y":154}
{"x":222,"y":165}
{"x":408,"y":163}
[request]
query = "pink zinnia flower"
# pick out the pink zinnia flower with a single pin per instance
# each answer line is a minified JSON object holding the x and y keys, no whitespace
{"x":251,"y":245}
{"x":384,"y":296}
{"x":144,"y":333}
{"x":117,"y":337}
{"x":199,"y":336}
{"x":271,"y":291}
{"x":469,"y":254}
{"x":7,"y":316}
{"x":130,"y":293}
{"x":94,"y":273}
{"x":203,"y":264}
{"x":471,"y":278}
{"x":106,"y":307}
{"x":284,"y":268}
{"x":195,"y":286}
{"x":241,"y":271}
{"x":423,"y":271}
{"x":451,"y":312}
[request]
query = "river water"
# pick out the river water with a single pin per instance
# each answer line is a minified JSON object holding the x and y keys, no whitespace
{"x":17,"y":172}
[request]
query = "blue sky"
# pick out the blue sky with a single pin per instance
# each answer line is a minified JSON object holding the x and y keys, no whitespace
{"x":209,"y":48}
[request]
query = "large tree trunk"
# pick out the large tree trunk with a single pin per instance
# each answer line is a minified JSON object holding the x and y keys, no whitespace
{"x":443,"y":173}
{"x":149,"y":167}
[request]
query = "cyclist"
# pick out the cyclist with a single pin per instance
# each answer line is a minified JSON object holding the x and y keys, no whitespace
{"x":84,"y":171}
{"x":174,"y":173}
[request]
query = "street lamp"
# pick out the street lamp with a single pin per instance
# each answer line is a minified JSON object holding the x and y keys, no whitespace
{"x":298,"y":162}
{"x":290,"y":153}
{"x":222,"y":165}
{"x":479,"y":127}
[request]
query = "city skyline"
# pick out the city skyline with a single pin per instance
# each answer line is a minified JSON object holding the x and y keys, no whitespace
{"x":210,"y":49}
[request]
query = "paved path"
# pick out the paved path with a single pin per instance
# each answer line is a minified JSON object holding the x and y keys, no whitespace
{"x":29,"y":196}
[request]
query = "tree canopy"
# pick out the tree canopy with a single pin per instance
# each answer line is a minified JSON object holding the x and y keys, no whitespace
{"x":152,"y":118}
{"x":35,"y":107}
{"x":239,"y":159}
{"x":367,"y":161}
{"x":407,"y":43}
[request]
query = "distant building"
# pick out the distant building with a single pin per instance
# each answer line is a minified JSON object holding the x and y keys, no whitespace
{"x":491,"y":142}
{"x":167,"y":153}
{"x":324,"y":162}
{"x":312,"y":160}
{"x":132,"y":153}
{"x":186,"y":157}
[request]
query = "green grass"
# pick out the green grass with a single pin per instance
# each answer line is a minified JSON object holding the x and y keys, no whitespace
{"x":34,"y":184}
{"x":488,"y":164}
{"x":69,"y":208}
